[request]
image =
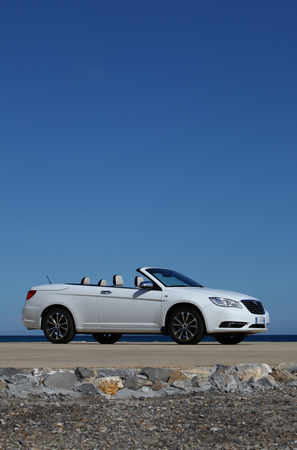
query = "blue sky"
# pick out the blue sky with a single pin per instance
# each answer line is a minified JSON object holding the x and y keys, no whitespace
{"x":157,"y":133}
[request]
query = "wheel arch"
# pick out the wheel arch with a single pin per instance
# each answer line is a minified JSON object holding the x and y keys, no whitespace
{"x":48,"y":308}
{"x":179,"y":305}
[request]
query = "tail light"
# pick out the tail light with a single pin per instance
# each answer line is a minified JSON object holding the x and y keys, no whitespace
{"x":30,"y":294}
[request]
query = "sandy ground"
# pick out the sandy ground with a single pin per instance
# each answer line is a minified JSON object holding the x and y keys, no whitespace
{"x":83,"y":354}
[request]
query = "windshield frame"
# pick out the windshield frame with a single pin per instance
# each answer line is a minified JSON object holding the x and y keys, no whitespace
{"x":181,"y":280}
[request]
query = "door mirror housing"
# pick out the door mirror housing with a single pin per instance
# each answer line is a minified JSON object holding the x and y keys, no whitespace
{"x":146,"y":285}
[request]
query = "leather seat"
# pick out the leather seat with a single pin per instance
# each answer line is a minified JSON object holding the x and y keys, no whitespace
{"x":118,"y":280}
{"x":138,"y":280}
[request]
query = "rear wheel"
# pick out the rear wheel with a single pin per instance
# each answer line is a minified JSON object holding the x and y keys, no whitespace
{"x":107,"y":338}
{"x":229,"y":338}
{"x":186,"y":326}
{"x":58,"y":326}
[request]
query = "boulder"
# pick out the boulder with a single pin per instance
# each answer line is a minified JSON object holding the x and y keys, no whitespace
{"x":253,"y":370}
{"x":136,"y":382}
{"x":109,"y":385}
{"x":61,"y":380}
{"x":223,"y":381}
{"x":86,"y":388}
{"x":9,"y":371}
{"x":158,"y":385}
{"x":185,"y":385}
{"x":3,"y":386}
{"x":156,"y":374}
{"x":41,"y":374}
{"x":82,"y":373}
{"x":282,"y":375}
{"x":290,"y":366}
{"x":23,"y":379}
{"x":123,"y":373}
{"x":177,"y":375}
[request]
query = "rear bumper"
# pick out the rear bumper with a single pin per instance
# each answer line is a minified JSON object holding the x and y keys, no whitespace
{"x":31,"y":318}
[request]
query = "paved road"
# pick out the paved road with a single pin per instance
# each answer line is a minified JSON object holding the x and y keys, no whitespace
{"x":121,"y":354}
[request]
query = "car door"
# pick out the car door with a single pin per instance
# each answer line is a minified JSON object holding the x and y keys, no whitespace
{"x":129,"y":309}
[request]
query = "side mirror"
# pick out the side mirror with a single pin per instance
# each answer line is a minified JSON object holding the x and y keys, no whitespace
{"x":146,"y":285}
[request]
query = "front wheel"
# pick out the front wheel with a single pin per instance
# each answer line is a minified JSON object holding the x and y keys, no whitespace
{"x":107,"y":338}
{"x":229,"y":339}
{"x":58,"y":326}
{"x":186,"y":326}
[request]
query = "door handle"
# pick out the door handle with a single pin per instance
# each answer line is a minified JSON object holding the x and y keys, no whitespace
{"x":105,"y":292}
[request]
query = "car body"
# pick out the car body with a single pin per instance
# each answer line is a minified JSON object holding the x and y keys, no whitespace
{"x":166,"y":302}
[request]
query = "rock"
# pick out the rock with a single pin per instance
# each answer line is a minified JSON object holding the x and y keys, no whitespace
{"x":144,"y":389}
{"x":109,"y":385}
{"x":231,"y":378}
{"x":290,"y":366}
{"x":185,"y":385}
{"x":254,"y":370}
{"x":177,"y":375}
{"x":82,"y":373}
{"x":204,"y":385}
{"x":3,"y":386}
{"x":267,"y":382}
{"x":158,"y":385}
{"x":86,"y":388}
{"x":61,"y":380}
{"x":156,"y":374}
{"x":123,"y":394}
{"x":282,"y":375}
{"x":199,"y":372}
{"x":22,"y":379}
{"x":263,"y":383}
{"x":201,"y":375}
{"x":220,"y":368}
{"x":224,"y":382}
{"x":43,"y":373}
{"x":123,"y":373}
{"x":9,"y":371}
{"x":195,"y":381}
{"x":136,"y":382}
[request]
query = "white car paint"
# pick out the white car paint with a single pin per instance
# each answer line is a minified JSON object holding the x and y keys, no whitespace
{"x":118,"y":309}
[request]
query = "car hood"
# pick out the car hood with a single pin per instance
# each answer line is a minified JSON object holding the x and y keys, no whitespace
{"x":210,"y":292}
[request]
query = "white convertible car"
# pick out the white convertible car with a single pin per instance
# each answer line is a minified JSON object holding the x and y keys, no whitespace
{"x":166,"y":302}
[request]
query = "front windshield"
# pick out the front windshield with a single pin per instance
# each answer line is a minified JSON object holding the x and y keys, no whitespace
{"x":170,"y":278}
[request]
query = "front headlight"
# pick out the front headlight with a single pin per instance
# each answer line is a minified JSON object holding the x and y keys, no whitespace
{"x":225,"y":302}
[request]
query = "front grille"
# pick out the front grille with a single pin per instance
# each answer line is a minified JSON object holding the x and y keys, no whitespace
{"x":257,"y":325}
{"x":254,"y":306}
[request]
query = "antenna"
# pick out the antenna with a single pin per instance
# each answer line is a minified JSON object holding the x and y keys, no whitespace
{"x":49,"y":280}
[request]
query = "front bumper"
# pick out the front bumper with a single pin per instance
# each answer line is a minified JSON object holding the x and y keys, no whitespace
{"x":234,"y":320}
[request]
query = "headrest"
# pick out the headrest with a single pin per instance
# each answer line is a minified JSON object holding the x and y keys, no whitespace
{"x":102,"y":282}
{"x":138,"y":280}
{"x":85,"y":280}
{"x":118,"y":280}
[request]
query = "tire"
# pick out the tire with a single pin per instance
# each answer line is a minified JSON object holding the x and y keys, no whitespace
{"x":107,"y":338}
{"x":186,"y":326}
{"x":58,"y":326}
{"x":230,"y":339}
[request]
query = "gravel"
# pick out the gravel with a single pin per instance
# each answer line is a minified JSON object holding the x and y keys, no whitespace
{"x":206,"y":420}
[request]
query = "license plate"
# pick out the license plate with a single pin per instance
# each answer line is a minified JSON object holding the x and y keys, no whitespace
{"x":260,"y":320}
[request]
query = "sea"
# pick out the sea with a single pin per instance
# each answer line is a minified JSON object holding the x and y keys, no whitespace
{"x":139,"y":338}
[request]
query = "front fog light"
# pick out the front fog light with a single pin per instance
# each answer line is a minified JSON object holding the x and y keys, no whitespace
{"x":225,"y":302}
